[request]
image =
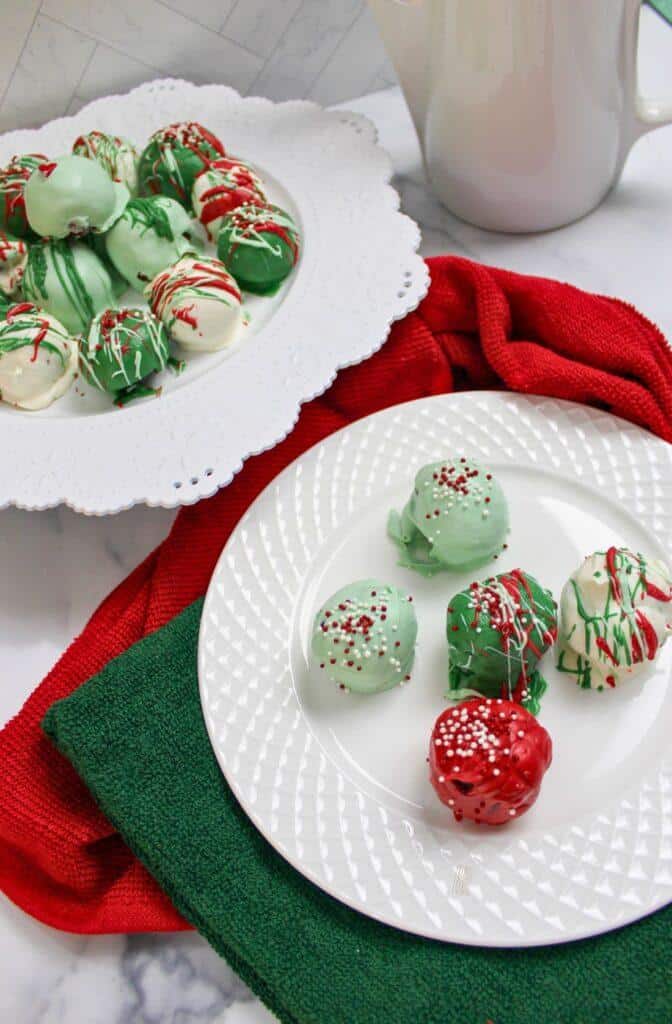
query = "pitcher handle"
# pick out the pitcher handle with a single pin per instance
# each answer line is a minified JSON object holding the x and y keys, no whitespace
{"x":647,"y":113}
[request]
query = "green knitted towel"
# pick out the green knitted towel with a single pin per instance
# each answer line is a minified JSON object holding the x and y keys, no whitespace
{"x":136,"y":736}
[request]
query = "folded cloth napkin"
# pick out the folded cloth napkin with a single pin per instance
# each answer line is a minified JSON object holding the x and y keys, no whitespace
{"x":135,"y":734}
{"x":60,"y":857}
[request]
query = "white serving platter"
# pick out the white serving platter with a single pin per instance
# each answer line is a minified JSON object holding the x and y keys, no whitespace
{"x":338,"y":783}
{"x":358,"y":272}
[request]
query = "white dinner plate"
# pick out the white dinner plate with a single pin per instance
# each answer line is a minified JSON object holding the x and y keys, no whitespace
{"x":338,"y":783}
{"x":358,"y":272}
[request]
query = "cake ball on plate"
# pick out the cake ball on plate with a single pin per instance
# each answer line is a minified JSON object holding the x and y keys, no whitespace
{"x":199,"y":302}
{"x":497,"y":632}
{"x":13,"y":256}
{"x":173,"y":157}
{"x":13,"y":180}
{"x":487,"y":760}
{"x":226,"y":184}
{"x":259,"y":244}
{"x":115,"y":154}
{"x":122,"y":349}
{"x":72,"y":195}
{"x":38,"y":358}
{"x":364,"y":637}
{"x":69,"y":281}
{"x":615,"y":615}
{"x":151,"y":234}
{"x":456,"y":518}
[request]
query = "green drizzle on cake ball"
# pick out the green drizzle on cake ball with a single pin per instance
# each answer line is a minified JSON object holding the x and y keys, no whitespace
{"x":173,"y":158}
{"x":259,"y":244}
{"x":38,"y":358}
{"x":116,"y":155}
{"x":497,"y":632}
{"x":70,"y":196}
{"x":457,"y":518}
{"x":13,"y":180}
{"x":123,"y":348}
{"x":69,"y":281}
{"x":364,"y":637}
{"x":151,"y":234}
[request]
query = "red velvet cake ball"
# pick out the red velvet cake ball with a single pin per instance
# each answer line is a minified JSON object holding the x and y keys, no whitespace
{"x":487,"y":759}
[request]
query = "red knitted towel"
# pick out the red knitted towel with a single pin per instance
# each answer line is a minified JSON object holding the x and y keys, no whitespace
{"x":478,"y":327}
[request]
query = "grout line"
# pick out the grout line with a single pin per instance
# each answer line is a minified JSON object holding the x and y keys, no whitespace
{"x":110,"y":46}
{"x":336,"y":47}
{"x":314,"y":80}
{"x":20,"y":57}
{"x":84,"y":70}
{"x":273,"y":52}
{"x":207,"y":28}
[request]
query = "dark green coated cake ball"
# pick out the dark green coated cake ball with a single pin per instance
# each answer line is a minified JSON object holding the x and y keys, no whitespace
{"x":259,"y":244}
{"x":497,"y":631}
{"x":122,"y":349}
{"x":173,"y":158}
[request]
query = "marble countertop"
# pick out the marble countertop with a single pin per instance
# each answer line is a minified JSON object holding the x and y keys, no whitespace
{"x":57,"y":566}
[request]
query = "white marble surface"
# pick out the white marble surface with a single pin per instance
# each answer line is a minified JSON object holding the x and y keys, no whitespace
{"x":56,"y":566}
{"x":56,"y":55}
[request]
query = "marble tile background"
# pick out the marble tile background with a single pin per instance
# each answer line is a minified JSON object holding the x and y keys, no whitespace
{"x":56,"y":55}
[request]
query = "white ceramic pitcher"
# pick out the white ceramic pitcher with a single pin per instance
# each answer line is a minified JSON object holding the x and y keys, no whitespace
{"x":526,"y":109}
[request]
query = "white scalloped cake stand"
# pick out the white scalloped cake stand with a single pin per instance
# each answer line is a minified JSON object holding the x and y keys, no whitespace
{"x":339,"y":783}
{"x":359,"y":271}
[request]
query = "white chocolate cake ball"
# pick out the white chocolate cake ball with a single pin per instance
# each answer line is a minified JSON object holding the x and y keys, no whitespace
{"x":38,"y":358}
{"x":615,"y":615}
{"x":199,"y":302}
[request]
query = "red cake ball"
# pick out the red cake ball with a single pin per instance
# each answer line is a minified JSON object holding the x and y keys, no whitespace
{"x":487,"y":759}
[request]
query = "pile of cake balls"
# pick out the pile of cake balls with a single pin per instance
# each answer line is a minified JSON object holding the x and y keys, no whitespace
{"x":487,"y":752}
{"x":78,"y":231}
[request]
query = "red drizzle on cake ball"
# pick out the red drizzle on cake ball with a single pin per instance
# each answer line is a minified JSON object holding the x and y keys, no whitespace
{"x":487,"y":759}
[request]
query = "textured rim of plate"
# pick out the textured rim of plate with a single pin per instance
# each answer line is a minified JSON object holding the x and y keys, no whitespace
{"x":336,"y":313}
{"x":248,"y":699}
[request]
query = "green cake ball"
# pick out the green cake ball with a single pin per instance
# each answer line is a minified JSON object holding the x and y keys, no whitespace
{"x":199,"y":302}
{"x":72,"y":195}
{"x":13,"y":257}
{"x":151,"y":234}
{"x":259,"y":245}
{"x":116,"y":155}
{"x":13,"y":180}
{"x":69,"y":281}
{"x":497,"y":631}
{"x":38,"y":358}
{"x":364,"y":636}
{"x":456,"y":518}
{"x":173,"y":158}
{"x":122,"y":349}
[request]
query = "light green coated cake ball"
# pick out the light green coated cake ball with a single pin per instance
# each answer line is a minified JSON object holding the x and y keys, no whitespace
{"x":151,"y":234}
{"x":69,"y":281}
{"x":72,"y":195}
{"x":457,"y":518}
{"x":364,"y":636}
